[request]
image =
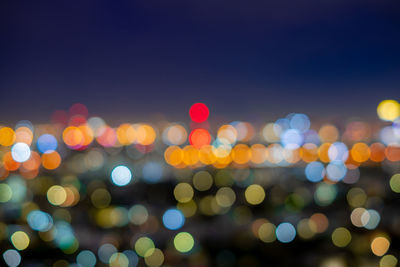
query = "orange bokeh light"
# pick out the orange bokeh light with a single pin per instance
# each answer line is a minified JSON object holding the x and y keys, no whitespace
{"x":199,"y":137}
{"x":51,"y":160}
{"x":7,"y":136}
{"x":9,"y":163}
{"x":73,"y":136}
{"x":377,"y":152}
{"x":360,"y":152}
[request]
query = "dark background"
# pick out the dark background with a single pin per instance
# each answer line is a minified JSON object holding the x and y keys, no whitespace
{"x":244,"y":59}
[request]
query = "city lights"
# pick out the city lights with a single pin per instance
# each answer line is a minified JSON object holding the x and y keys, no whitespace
{"x":152,"y":190}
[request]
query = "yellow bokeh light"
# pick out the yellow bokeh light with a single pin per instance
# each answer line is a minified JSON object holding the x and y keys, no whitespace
{"x":388,"y":110}
{"x":388,"y":261}
{"x":5,"y":193}
{"x":306,"y":228}
{"x":105,"y":218}
{"x":266,"y":232}
{"x":395,"y":183}
{"x":202,"y":180}
{"x":20,"y":240}
{"x":118,"y":259}
{"x":183,"y":192}
{"x":156,"y":259}
{"x":254,"y":194}
{"x":356,"y":197}
{"x":341,"y":237}
{"x":188,"y":209}
{"x":205,"y":205}
{"x":144,"y":246}
{"x":183,"y":242}
{"x":56,"y":195}
{"x":225,"y":197}
{"x":100,"y":198}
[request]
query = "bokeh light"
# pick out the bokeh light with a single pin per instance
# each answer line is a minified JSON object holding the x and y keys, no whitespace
{"x":254,"y":194}
{"x":341,"y":237}
{"x":173,"y":219}
{"x":183,"y":242}
{"x":315,"y":171}
{"x":388,"y":110}
{"x":40,"y":221}
{"x":144,"y":246}
{"x":86,"y":258}
{"x":46,"y":143}
{"x":121,"y":175}
{"x":285,"y":232}
{"x":20,"y":240}
{"x":380,"y":245}
{"x":12,"y":258}
{"x":20,"y":152}
{"x":199,"y":112}
{"x":64,"y":193}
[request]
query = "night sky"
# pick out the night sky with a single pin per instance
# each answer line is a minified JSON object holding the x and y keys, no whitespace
{"x":244,"y":59}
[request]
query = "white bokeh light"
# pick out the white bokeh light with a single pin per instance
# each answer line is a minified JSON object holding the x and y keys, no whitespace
{"x":121,"y":175}
{"x":20,"y":152}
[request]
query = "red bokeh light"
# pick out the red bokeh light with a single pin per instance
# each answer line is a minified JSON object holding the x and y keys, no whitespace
{"x":78,"y":109}
{"x":199,"y":137}
{"x":199,"y":112}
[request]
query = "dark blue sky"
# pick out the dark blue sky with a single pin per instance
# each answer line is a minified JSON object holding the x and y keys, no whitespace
{"x":245,"y":59}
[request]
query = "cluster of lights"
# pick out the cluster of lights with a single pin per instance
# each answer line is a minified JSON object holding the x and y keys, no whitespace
{"x":81,"y":163}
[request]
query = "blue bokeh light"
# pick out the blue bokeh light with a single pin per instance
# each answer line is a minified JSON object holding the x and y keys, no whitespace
{"x":300,"y":122}
{"x":173,"y":219}
{"x":46,"y":143}
{"x":40,"y":221}
{"x":86,"y":258}
{"x":315,"y":171}
{"x":292,"y":139}
{"x":338,"y":151}
{"x":285,"y":232}
{"x":336,"y":170}
{"x":64,"y":236}
{"x":12,"y":257}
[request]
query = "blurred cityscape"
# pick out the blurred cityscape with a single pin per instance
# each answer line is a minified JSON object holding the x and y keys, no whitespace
{"x":80,"y":191}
